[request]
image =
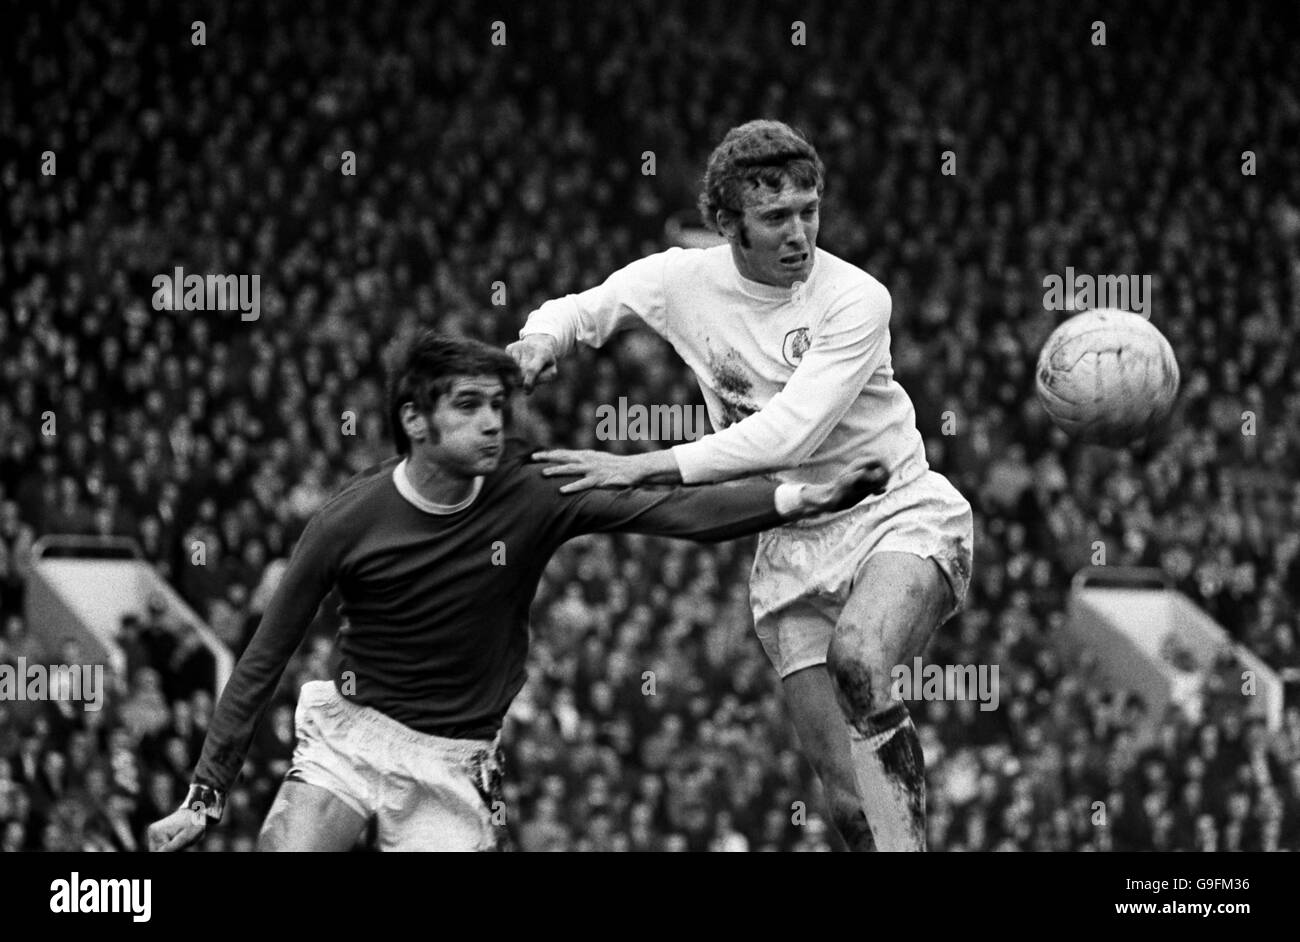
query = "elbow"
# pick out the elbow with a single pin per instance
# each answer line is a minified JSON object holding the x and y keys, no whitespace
{"x":777,"y":452}
{"x":790,"y":454}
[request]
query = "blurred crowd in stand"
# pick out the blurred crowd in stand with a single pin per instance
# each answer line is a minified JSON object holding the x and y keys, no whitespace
{"x":652,"y":720}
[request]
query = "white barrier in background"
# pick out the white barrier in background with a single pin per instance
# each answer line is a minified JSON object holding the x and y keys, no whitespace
{"x":1151,"y":639}
{"x":84,"y":595}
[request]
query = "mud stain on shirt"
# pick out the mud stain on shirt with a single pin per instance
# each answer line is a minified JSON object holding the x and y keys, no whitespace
{"x":733,"y":385}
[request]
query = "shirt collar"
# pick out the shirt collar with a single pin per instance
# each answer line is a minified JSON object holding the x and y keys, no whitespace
{"x":756,"y":289}
{"x":407,"y":490}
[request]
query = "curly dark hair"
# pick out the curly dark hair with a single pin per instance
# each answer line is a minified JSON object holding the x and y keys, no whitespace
{"x":422,"y":366}
{"x":752,"y":155}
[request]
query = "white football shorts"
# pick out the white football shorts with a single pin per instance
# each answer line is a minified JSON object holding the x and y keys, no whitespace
{"x":424,"y":792}
{"x":804,"y":571}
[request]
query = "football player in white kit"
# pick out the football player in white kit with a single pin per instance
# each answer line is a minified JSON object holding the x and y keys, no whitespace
{"x":790,"y":346}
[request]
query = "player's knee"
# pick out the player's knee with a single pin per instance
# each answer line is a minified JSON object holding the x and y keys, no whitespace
{"x":860,"y":685}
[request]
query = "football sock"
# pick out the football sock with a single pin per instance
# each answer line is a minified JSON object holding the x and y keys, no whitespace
{"x":891,"y":777}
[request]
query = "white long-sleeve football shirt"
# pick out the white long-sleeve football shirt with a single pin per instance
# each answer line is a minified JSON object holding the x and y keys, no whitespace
{"x":798,"y":381}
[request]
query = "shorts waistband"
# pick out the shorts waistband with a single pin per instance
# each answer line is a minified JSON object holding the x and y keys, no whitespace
{"x":395,"y":731}
{"x":908,"y":470}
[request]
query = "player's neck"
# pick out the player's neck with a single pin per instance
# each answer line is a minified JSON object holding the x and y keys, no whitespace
{"x":436,"y":483}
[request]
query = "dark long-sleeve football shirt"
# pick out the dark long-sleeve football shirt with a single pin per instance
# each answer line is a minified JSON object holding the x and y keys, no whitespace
{"x":435,"y":605}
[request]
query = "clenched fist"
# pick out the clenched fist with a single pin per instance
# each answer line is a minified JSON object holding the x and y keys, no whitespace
{"x":863,"y":478}
{"x":536,"y":356}
{"x":178,"y":830}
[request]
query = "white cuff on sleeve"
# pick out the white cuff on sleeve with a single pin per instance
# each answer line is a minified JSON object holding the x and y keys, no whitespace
{"x":787,"y":498}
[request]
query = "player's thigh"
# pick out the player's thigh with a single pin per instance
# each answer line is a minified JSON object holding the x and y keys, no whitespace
{"x":897,"y":601}
{"x":310,"y":818}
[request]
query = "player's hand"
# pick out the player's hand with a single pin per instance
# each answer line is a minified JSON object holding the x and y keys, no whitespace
{"x":535,"y":355}
{"x":592,"y":468}
{"x":178,"y":830}
{"x":864,"y":477}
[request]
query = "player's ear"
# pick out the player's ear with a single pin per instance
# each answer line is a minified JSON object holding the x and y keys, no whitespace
{"x":414,"y":423}
{"x":728,"y":223}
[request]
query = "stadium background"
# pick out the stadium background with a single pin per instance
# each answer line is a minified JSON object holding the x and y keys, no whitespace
{"x":522,"y":164}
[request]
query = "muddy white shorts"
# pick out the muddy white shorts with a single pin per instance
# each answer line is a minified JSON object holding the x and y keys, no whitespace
{"x":424,"y":792}
{"x":804,"y":571}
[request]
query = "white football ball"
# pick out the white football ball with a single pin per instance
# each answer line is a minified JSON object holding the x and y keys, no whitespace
{"x":1107,"y":376}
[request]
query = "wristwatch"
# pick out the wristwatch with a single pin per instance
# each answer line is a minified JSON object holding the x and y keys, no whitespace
{"x":206,"y":800}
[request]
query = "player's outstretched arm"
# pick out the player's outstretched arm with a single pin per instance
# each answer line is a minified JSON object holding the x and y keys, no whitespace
{"x":634,"y":292}
{"x":307,"y":579}
{"x":721,"y":511}
{"x":601,"y":469}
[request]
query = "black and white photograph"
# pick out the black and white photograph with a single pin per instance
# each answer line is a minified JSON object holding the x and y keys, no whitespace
{"x":651,"y":426}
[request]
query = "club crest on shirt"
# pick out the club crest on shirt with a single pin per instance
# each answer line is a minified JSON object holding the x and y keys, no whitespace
{"x":796,"y":345}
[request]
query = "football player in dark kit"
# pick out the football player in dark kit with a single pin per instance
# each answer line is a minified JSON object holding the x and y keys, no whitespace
{"x":436,"y":554}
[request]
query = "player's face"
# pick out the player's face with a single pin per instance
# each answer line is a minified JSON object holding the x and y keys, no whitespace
{"x":773,"y":241}
{"x":470,"y":420}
